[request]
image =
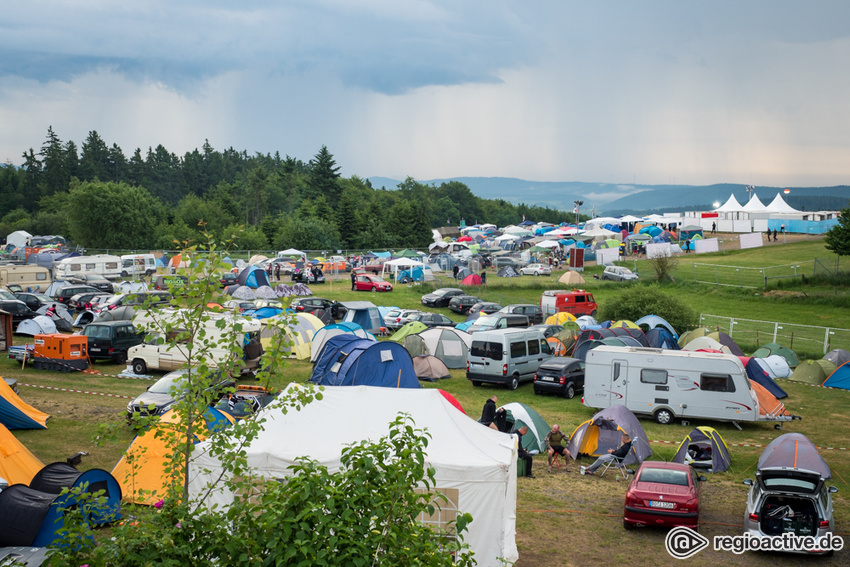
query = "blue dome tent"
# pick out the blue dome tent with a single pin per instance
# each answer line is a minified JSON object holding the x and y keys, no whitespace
{"x":347,"y":360}
{"x":253,"y":277}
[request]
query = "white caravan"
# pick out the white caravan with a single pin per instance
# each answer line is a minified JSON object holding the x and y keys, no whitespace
{"x":104,"y":265}
{"x":668,"y":384}
{"x":137,"y":265}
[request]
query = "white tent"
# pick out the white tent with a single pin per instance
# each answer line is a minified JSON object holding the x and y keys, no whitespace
{"x":475,"y":463}
{"x":730,"y":206}
{"x":754,"y":205}
{"x":19,"y":238}
{"x":448,"y":344}
{"x":778,"y":205}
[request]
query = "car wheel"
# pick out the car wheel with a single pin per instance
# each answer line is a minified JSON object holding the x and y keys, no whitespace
{"x":627,"y":525}
{"x":374,"y":289}
{"x":664,"y":417}
{"x":570,"y":392}
{"x":139,"y":366}
{"x":121,"y":358}
{"x":536,"y":273}
{"x":593,"y":313}
{"x":476,"y":383}
{"x":514,"y":383}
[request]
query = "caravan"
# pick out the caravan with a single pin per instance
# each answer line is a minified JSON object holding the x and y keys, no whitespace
{"x":29,"y":278}
{"x":668,"y":384}
{"x":104,"y":265}
{"x":133,"y":265}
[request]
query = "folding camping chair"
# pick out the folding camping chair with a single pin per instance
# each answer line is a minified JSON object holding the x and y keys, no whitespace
{"x":618,"y":464}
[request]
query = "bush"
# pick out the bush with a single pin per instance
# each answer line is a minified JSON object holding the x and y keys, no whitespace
{"x":641,"y":300}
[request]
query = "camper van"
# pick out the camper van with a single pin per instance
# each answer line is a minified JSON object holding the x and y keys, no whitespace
{"x":29,"y":278}
{"x":506,"y":356}
{"x":162,"y":357}
{"x":669,"y":384}
{"x":104,"y":265}
{"x":133,"y":265}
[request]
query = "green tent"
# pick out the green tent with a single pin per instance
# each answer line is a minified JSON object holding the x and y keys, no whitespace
{"x":415,"y":345}
{"x":408,"y":253}
{"x":775,"y":348}
{"x":692,"y":334}
{"x":521,"y":414}
{"x":412,"y":328}
{"x":810,"y":372}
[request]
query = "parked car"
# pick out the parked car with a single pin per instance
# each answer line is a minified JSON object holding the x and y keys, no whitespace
{"x":310,"y":304}
{"x":313,"y":275}
{"x":93,"y":280}
{"x":79,"y":301}
{"x":17,"y":308}
{"x":485,"y":308}
{"x":135,"y":299}
{"x":246,"y":401}
{"x":548,"y":330}
{"x":110,"y":340}
{"x":618,"y":274}
{"x":503,"y":261}
{"x":536,"y":270}
{"x":240,"y":304}
{"x":432,"y":319}
{"x":64,"y":294}
{"x":367,"y":282}
{"x":663,"y":494}
{"x":168,"y":390}
{"x":398,"y":318}
{"x":533,"y":312}
{"x":497,"y":321}
{"x":34,"y":301}
{"x":561,"y":376}
{"x":228,"y":279}
{"x":441,"y":297}
{"x":790,"y":494}
{"x":463,"y":303}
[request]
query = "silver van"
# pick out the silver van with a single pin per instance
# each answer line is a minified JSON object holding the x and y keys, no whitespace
{"x":506,"y":356}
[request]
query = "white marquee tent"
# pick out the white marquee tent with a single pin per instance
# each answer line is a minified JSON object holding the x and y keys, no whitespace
{"x":476,"y":461}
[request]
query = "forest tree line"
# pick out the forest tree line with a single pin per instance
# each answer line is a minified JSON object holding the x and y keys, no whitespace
{"x":99,"y":198}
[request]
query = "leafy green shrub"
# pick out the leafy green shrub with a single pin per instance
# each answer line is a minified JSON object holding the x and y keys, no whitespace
{"x":641,"y":300}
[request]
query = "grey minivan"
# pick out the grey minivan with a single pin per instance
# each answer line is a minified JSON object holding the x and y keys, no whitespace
{"x":506,"y":356}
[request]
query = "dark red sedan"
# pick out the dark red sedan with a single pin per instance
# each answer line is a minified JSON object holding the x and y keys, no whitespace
{"x":663,"y":494}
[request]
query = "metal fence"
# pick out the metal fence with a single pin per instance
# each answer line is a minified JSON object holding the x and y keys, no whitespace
{"x":740,"y":276}
{"x":804,"y":338}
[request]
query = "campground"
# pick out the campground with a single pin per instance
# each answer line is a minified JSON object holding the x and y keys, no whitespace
{"x":562,"y":518}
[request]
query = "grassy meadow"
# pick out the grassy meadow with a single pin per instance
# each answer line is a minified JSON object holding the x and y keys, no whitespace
{"x":562,"y":518}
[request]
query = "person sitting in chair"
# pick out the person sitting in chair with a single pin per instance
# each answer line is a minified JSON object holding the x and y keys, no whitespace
{"x":613,"y":454}
{"x":555,"y":441}
{"x":521,"y":452}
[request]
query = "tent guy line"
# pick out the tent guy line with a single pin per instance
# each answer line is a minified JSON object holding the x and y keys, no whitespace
{"x":78,"y":391}
{"x":745,"y":445}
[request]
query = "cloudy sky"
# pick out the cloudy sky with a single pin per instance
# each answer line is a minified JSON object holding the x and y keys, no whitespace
{"x":619,"y":91}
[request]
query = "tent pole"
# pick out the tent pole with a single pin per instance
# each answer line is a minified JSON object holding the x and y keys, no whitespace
{"x":398,"y":383}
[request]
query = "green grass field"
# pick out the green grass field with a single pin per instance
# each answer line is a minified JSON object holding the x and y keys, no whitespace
{"x":562,"y":518}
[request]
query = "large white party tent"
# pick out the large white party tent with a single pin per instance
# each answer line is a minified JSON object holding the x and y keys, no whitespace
{"x":754,"y":205}
{"x":730,"y":206}
{"x":778,"y":205}
{"x":475,"y":463}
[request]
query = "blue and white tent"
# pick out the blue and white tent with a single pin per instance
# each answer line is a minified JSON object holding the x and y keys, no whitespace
{"x":347,"y":360}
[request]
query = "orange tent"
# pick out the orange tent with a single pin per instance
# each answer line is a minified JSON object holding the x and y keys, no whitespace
{"x":768,"y":404}
{"x":17,"y":464}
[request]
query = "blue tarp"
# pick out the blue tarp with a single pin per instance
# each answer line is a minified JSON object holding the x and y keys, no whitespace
{"x":757,"y":374}
{"x":802,"y":226}
{"x":347,"y":360}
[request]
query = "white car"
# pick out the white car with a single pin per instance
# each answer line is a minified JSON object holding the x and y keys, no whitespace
{"x":536,"y":270}
{"x":618,"y":274}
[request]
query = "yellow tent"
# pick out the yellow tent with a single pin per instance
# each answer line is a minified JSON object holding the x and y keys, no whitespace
{"x":141,"y":470}
{"x":21,"y":411}
{"x":571,"y":277}
{"x":299,"y":331}
{"x":625,"y":323}
{"x":560,"y":318}
{"x":17,"y":464}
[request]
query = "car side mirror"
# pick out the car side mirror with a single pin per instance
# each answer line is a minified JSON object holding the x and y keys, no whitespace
{"x":630,"y":471}
{"x":833,"y":489}
{"x":702,"y":478}
{"x":748,"y":481}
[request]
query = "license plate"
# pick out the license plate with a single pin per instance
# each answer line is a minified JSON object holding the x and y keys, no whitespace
{"x":658,"y":504}
{"x":473,"y":365}
{"x":94,"y":349}
{"x":547,"y":378}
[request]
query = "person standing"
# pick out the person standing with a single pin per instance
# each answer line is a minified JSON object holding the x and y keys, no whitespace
{"x":489,"y":411}
{"x":353,"y":278}
{"x":713,"y":228}
{"x":455,"y":271}
{"x":277,"y":271}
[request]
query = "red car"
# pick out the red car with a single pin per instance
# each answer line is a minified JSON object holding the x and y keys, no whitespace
{"x":367,"y":282}
{"x":663,"y":494}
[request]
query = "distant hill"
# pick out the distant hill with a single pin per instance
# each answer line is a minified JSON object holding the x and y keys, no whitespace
{"x":610,"y":198}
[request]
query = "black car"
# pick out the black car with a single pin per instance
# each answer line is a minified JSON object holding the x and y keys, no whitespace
{"x":310,"y":304}
{"x":533,"y":312}
{"x":18,"y":309}
{"x":432,"y":319}
{"x":441,"y":297}
{"x":160,"y":396}
{"x":111,"y":340}
{"x":135,"y":299}
{"x":81,"y":300}
{"x":228,"y":279}
{"x":35,"y":301}
{"x":485,"y":308}
{"x":69,"y":291}
{"x":561,"y":376}
{"x":463,"y":303}
{"x":93,"y":280}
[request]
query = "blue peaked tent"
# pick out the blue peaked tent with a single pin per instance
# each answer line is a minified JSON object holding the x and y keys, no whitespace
{"x":364,"y":313}
{"x":757,"y":374}
{"x":660,"y":337}
{"x":253,"y":277}
{"x":840,"y":377}
{"x":347,"y":360}
{"x":30,"y":518}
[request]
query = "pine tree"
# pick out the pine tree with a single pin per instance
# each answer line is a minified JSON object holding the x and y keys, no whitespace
{"x":323,"y":176}
{"x":838,"y":237}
